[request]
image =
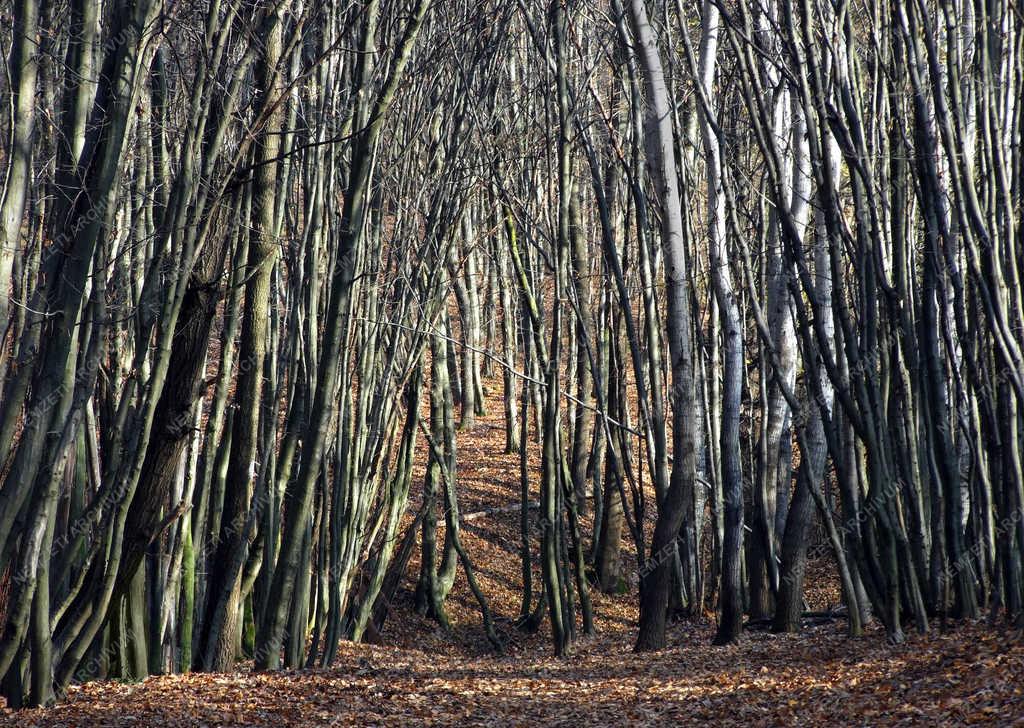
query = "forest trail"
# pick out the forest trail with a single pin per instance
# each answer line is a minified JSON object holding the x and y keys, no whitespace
{"x":422,"y":676}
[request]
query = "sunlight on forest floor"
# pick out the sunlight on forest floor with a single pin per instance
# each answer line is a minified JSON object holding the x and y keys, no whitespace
{"x":822,"y":678}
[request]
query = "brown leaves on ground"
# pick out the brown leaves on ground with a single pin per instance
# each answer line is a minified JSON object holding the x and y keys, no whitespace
{"x":974,"y":674}
{"x":970,"y":676}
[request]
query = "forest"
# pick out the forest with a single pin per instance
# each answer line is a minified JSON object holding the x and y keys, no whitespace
{"x":550,"y":360}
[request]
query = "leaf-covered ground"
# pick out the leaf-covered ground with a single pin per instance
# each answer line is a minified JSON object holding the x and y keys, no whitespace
{"x":970,"y":674}
{"x":967,"y":677}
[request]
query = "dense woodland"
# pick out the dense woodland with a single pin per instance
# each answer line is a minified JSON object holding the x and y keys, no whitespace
{"x":747,"y":273}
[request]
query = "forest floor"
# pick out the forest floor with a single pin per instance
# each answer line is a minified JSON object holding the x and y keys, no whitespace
{"x":969,"y":674}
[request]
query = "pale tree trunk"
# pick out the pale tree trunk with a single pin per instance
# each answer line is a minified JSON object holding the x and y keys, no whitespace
{"x":656,"y":582}
{"x":731,"y":621}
